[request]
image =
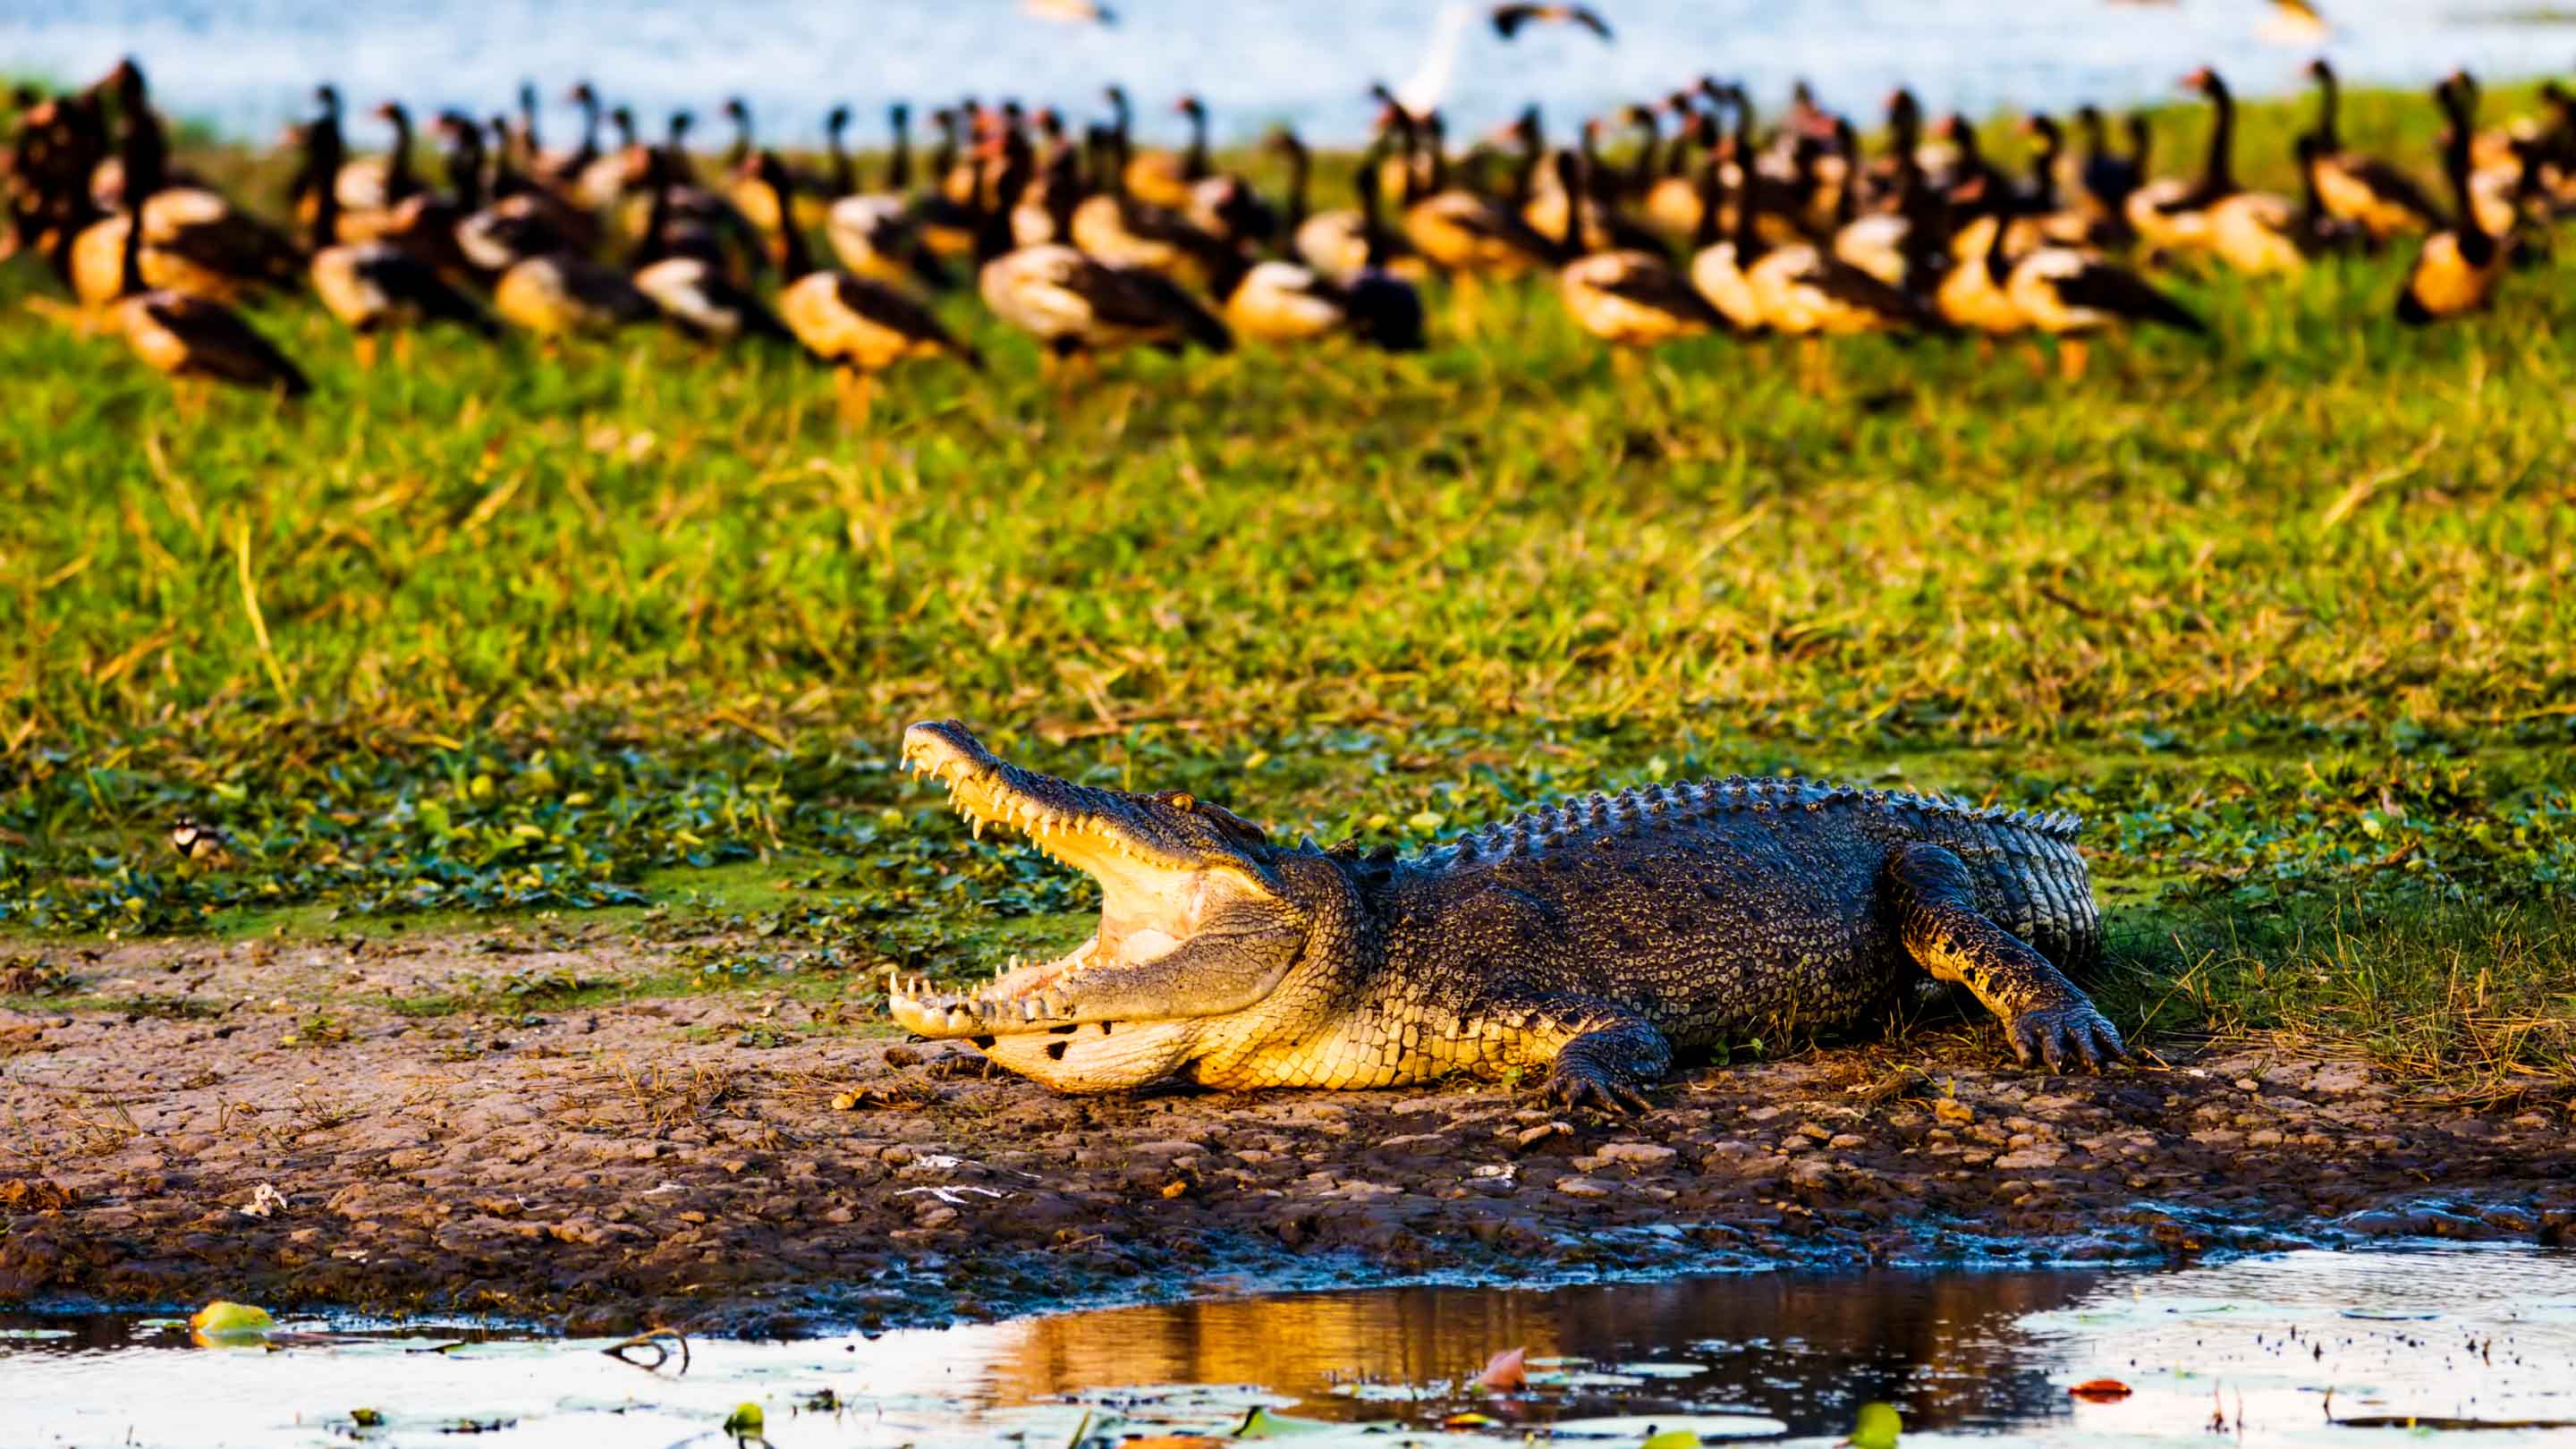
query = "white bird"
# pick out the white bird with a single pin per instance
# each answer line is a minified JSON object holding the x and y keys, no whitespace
{"x":1421,"y":92}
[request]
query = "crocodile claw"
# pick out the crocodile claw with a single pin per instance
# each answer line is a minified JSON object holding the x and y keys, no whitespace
{"x":2062,"y":1036}
{"x":1576,"y":1084}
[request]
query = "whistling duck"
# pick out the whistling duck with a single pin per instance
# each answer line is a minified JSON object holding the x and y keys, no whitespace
{"x":375,"y":285}
{"x":2109,"y":178}
{"x":1718,"y":261}
{"x":370,"y":186}
{"x":2362,"y":190}
{"x":859,"y":325}
{"x":188,"y":336}
{"x":1158,"y":178}
{"x":106,"y":177}
{"x":565,"y":293}
{"x":1471,"y":237}
{"x":567,"y":173}
{"x":1285,"y":302}
{"x":1971,"y":296}
{"x":192,"y":239}
{"x":2068,"y":291}
{"x":948,"y":222}
{"x":1626,"y":298}
{"x":749,"y":196}
{"x":2171,"y":214}
{"x":59,"y":143}
{"x":1123,"y":230}
{"x":2318,"y":233}
{"x":1075,"y":304}
{"x":1337,"y":242}
{"x":2253,"y":232}
{"x":2455,"y":270}
{"x":603,"y":181}
{"x":682,"y":269}
{"x":1804,"y":290}
{"x":1901,"y":247}
{"x":877,"y":234}
{"x":2503,"y":169}
{"x":1671,"y":201}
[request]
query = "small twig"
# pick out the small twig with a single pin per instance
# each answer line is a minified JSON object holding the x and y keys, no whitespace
{"x":658,"y":1340}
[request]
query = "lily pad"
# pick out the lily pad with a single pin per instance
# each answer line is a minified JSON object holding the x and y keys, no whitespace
{"x":1646,"y":1426}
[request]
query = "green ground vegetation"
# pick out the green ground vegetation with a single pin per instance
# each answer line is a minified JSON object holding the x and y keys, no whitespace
{"x":633,"y":627}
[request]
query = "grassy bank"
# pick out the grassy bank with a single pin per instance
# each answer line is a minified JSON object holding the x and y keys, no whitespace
{"x":637,"y":625}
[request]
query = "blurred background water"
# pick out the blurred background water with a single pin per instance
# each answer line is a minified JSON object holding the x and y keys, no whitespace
{"x":249,"y":65}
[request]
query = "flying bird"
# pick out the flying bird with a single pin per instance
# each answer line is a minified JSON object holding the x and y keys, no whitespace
{"x":1508,"y":19}
{"x":2294,"y":22}
{"x":1071,"y":12}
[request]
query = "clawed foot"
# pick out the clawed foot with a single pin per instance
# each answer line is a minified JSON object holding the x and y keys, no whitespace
{"x":1580,"y":1084}
{"x":2058,"y":1035}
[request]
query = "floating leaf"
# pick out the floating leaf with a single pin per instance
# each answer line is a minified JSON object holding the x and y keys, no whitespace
{"x":1671,"y":1439}
{"x":745,"y":1422}
{"x":225,"y":1322}
{"x":1877,"y":1427}
{"x":1506,"y":1370}
{"x":1261,"y":1423}
{"x":2100,"y":1391}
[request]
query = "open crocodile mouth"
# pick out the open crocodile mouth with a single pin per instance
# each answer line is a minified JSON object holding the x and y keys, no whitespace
{"x":1151,"y":900}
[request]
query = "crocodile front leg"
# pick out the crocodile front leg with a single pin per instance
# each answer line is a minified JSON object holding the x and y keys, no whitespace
{"x":1934,"y":908}
{"x":1598,"y":1053}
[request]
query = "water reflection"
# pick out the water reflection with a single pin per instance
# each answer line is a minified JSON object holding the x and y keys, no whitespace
{"x":2487,"y":1334}
{"x":1804,"y":1350}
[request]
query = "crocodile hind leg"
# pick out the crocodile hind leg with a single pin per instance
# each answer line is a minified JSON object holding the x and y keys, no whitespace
{"x":1935,"y":912}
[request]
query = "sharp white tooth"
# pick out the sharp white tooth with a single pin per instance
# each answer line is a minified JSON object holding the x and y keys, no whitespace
{"x":1029,"y":1010}
{"x":894,"y":988}
{"x":975,"y":826}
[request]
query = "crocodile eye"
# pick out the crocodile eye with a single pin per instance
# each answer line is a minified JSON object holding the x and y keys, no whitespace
{"x":1182,"y":800}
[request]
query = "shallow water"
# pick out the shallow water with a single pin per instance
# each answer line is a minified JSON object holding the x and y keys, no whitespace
{"x":251,"y":64}
{"x":2487,"y":1334}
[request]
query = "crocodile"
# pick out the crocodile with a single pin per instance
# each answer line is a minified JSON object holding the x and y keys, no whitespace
{"x":1578,"y":945}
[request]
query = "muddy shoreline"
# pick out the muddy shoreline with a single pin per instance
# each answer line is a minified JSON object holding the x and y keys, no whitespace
{"x":260,"y":1122}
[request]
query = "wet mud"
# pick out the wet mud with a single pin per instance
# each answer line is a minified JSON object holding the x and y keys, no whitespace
{"x":273,"y":1124}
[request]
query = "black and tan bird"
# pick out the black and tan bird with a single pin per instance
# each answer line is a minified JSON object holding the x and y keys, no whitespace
{"x":1074,"y":304}
{"x":1286,"y":302}
{"x":189,"y":337}
{"x":683,"y":269}
{"x":376,"y":286}
{"x":2456,"y":269}
{"x":2362,"y":191}
{"x":200,"y":844}
{"x":1509,"y":20}
{"x":1626,"y":297}
{"x":860,"y":326}
{"x":1472,"y":237}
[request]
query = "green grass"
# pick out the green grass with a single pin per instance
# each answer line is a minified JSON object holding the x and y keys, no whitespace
{"x":636,"y":628}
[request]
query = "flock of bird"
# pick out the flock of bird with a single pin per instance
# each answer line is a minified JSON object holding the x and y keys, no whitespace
{"x":1700,"y":220}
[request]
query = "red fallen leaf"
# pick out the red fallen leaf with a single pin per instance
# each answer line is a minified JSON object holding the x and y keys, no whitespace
{"x":2100,"y":1391}
{"x":1505,"y":1370}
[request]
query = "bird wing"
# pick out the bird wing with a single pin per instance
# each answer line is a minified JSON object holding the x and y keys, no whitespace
{"x":220,"y":344}
{"x":2393,"y":185}
{"x":1421,"y":91}
{"x":2097,"y":287}
{"x":892,"y":310}
{"x":1853,"y":287}
{"x":1664,"y":290}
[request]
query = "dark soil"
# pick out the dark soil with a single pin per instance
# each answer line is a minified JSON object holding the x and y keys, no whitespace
{"x":760,"y":1163}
